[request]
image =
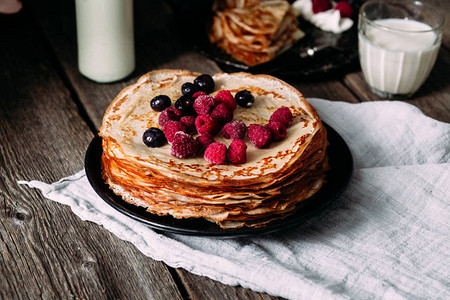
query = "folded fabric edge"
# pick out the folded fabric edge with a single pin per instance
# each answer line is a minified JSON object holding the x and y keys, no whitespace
{"x":320,"y":101}
{"x":196,"y":261}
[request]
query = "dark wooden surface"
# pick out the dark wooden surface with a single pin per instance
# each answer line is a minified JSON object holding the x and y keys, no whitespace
{"x":48,"y":115}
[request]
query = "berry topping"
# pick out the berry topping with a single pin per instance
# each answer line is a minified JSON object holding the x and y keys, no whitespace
{"x":226,"y":97}
{"x":154,"y":137}
{"x":169,"y":114}
{"x":320,"y":6}
{"x":205,"y":139}
{"x":204,"y":104}
{"x":189,"y":123}
{"x":160,"y":103}
{"x":277,"y":129}
{"x":206,"y":124}
{"x":259,"y":135}
{"x":283,"y":115}
{"x":222,"y":113}
{"x":172,"y":127}
{"x":344,"y":8}
{"x":199,"y":93}
{"x":189,"y":89}
{"x":184,"y":145}
{"x":237,"y":152}
{"x":205,"y":83}
{"x":185,"y":105}
{"x":244,"y":98}
{"x":215,"y":153}
{"x":234,"y":130}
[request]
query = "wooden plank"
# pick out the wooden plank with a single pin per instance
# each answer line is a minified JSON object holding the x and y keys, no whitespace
{"x":328,"y":88}
{"x":154,"y":51}
{"x":157,"y":47}
{"x":46,"y":251}
{"x":444,"y":7}
{"x":216,"y":290}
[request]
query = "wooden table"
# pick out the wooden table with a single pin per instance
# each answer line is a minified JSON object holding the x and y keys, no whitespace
{"x":49,"y":114}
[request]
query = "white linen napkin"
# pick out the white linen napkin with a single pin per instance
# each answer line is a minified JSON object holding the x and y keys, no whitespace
{"x":386,"y":237}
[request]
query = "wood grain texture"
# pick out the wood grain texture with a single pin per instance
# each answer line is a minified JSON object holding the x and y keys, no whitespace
{"x":48,"y":113}
{"x":444,"y":7}
{"x":154,"y":51}
{"x":216,"y":290}
{"x":326,"y":88}
{"x":157,"y":47}
{"x":46,"y":251}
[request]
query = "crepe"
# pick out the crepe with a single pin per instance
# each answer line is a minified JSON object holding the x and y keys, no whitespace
{"x":267,"y":187}
{"x":254,"y":32}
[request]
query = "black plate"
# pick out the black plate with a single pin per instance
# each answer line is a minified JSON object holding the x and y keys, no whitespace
{"x":342,"y":51}
{"x":336,"y":181}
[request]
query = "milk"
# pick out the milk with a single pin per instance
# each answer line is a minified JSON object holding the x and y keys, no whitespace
{"x":105,"y":39}
{"x":397,"y":62}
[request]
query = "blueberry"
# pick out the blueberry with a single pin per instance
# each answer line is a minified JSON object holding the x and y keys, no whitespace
{"x":154,"y":137}
{"x":244,"y":98}
{"x":205,"y":83}
{"x":189,"y":89}
{"x":160,"y":103}
{"x":186,"y":105}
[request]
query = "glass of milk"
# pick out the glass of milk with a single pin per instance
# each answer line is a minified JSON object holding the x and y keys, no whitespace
{"x":399,"y":41}
{"x":105,"y":37}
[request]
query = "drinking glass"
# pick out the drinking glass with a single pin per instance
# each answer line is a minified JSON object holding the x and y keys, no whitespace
{"x":399,"y":41}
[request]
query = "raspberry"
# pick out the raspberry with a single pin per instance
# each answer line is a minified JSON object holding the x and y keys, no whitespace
{"x":277,"y":129}
{"x":237,"y":152}
{"x":282,"y":115}
{"x":169,"y":114}
{"x":206,"y":124}
{"x":215,"y":153}
{"x":199,"y":93}
{"x":204,"y":140}
{"x":184,"y":145}
{"x":320,"y":6}
{"x":172,"y":127}
{"x":344,"y":8}
{"x":234,"y":130}
{"x":259,"y":135}
{"x":222,"y":113}
{"x":204,"y":104}
{"x":225,"y":96}
{"x":189,"y":123}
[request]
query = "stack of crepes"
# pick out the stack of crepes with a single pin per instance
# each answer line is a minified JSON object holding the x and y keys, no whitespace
{"x":253,"y":31}
{"x":268,"y":187}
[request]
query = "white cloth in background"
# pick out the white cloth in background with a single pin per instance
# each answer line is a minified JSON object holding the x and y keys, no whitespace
{"x":386,"y":237}
{"x":329,"y":20}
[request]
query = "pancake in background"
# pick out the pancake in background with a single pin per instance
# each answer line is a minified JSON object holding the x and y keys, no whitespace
{"x":226,"y":4}
{"x":254,"y":32}
{"x":269,"y":186}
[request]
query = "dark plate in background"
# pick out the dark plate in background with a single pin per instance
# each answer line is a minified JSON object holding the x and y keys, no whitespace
{"x":337,"y":180}
{"x":338,"y":51}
